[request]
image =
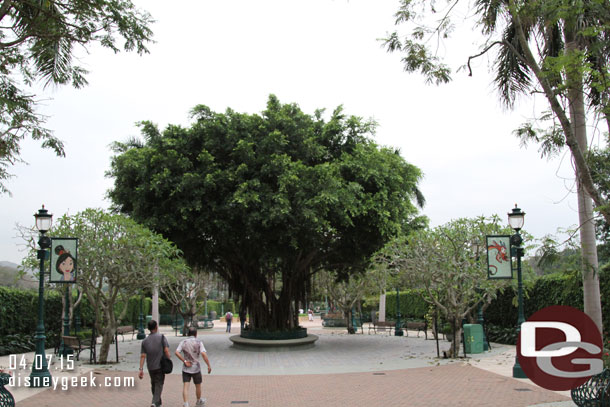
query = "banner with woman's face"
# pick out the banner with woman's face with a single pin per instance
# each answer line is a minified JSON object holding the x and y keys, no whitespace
{"x":64,"y":252}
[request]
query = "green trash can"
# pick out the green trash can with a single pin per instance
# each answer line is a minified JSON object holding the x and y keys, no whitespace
{"x":473,"y":338}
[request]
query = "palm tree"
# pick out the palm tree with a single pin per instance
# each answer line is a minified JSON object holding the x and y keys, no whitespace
{"x":571,"y":68}
{"x":559,"y":48}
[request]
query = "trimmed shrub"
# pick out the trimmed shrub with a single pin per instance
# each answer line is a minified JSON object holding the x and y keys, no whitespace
{"x":19,"y":317}
{"x":552,"y":289}
{"x":412,"y":306}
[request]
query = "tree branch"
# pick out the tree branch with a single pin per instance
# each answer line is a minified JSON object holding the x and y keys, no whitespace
{"x":481,"y":53}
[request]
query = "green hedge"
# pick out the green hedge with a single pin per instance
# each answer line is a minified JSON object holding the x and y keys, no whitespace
{"x":553,"y":289}
{"x":133,"y":310}
{"x":412,"y":306}
{"x":218,"y":307}
{"x":19,"y":317}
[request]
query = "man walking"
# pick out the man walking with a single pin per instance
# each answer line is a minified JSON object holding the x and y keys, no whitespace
{"x":151,"y":351}
{"x":229,"y":319}
{"x":191,"y":348}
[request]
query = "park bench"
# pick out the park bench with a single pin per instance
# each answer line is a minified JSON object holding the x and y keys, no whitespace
{"x":382,"y":326}
{"x":334,"y":319}
{"x":417,"y":326}
{"x":79,"y":345}
{"x":122,"y":330}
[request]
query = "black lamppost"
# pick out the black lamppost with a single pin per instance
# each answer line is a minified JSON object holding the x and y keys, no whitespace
{"x":40,"y":376}
{"x":397,"y":329}
{"x":516,"y":219}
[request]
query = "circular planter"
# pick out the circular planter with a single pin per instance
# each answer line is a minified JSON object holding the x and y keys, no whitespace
{"x":273,"y":345}
{"x":296,"y":333}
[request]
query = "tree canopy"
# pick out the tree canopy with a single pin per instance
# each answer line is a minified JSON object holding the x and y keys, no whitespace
{"x":448,"y":262}
{"x":37,"y":42}
{"x":116,"y":259}
{"x":267,"y":200}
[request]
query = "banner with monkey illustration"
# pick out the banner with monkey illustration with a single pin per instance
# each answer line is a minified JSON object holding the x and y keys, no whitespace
{"x":63,"y":262}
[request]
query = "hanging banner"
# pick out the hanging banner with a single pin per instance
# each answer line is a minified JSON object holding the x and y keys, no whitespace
{"x":499,"y":261}
{"x":64,"y":252}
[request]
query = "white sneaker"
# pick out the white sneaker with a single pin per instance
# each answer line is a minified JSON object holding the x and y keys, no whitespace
{"x":186,"y":404}
{"x":200,"y":402}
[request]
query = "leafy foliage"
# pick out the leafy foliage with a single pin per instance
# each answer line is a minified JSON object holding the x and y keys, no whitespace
{"x":558,"y":48}
{"x":37,"y":42}
{"x":117,"y":258}
{"x":552,"y":289}
{"x":599,"y":161}
{"x":267,"y":200}
{"x":346,"y":294}
{"x":183,"y":287}
{"x":19,"y":316}
{"x":412,"y":304}
{"x":447,"y":265}
{"x":501,"y":334}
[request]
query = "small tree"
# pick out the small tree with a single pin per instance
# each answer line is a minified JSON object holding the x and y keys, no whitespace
{"x":180,"y":285}
{"x":445,"y":262}
{"x":345,"y":294}
{"x":116,"y":259}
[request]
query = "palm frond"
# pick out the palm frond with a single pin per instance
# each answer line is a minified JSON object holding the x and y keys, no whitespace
{"x":513,"y":76}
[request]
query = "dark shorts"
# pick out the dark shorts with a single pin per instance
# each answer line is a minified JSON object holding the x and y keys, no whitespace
{"x":186,"y":377}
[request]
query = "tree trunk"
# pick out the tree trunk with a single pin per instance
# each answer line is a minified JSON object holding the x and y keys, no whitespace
{"x":107,"y":329}
{"x":382,"y":307}
{"x":348,"y":315}
{"x":107,"y":337}
{"x":456,"y":341}
{"x":589,"y":266}
{"x":155,"y":304}
{"x":269,"y":313}
{"x":576,"y":139}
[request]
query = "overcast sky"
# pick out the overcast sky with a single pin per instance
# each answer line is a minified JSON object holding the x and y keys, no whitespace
{"x":318,"y":54}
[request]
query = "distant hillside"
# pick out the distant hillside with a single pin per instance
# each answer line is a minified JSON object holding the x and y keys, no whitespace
{"x":9,"y":264}
{"x":9,"y":276}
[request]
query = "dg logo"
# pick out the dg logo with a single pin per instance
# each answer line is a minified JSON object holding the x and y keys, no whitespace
{"x":560,"y":348}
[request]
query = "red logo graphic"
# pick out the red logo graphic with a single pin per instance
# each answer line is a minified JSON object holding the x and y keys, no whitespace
{"x":560,"y":348}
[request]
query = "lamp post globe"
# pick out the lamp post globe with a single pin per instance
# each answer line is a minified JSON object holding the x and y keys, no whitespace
{"x":516,"y":219}
{"x":44,"y":219}
{"x":40,"y":376}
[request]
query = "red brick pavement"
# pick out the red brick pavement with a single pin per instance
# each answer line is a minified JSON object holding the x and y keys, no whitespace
{"x":449,"y":385}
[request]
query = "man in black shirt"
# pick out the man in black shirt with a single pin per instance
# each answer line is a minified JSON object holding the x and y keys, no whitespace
{"x":152,"y":349}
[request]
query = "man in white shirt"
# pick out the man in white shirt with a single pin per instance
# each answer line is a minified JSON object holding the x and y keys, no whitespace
{"x":191,"y":347}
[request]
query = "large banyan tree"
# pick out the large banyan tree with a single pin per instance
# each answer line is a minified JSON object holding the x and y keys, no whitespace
{"x":267,"y":200}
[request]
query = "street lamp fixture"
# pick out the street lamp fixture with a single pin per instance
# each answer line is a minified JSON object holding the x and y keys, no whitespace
{"x":40,"y":376}
{"x":516,"y":219}
{"x":44,"y":219}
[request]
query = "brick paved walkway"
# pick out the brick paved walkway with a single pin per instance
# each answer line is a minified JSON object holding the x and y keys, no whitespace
{"x":448,"y":385}
{"x":341,"y":370}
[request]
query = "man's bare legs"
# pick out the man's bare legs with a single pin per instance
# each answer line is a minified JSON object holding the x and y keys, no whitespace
{"x":185,"y":392}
